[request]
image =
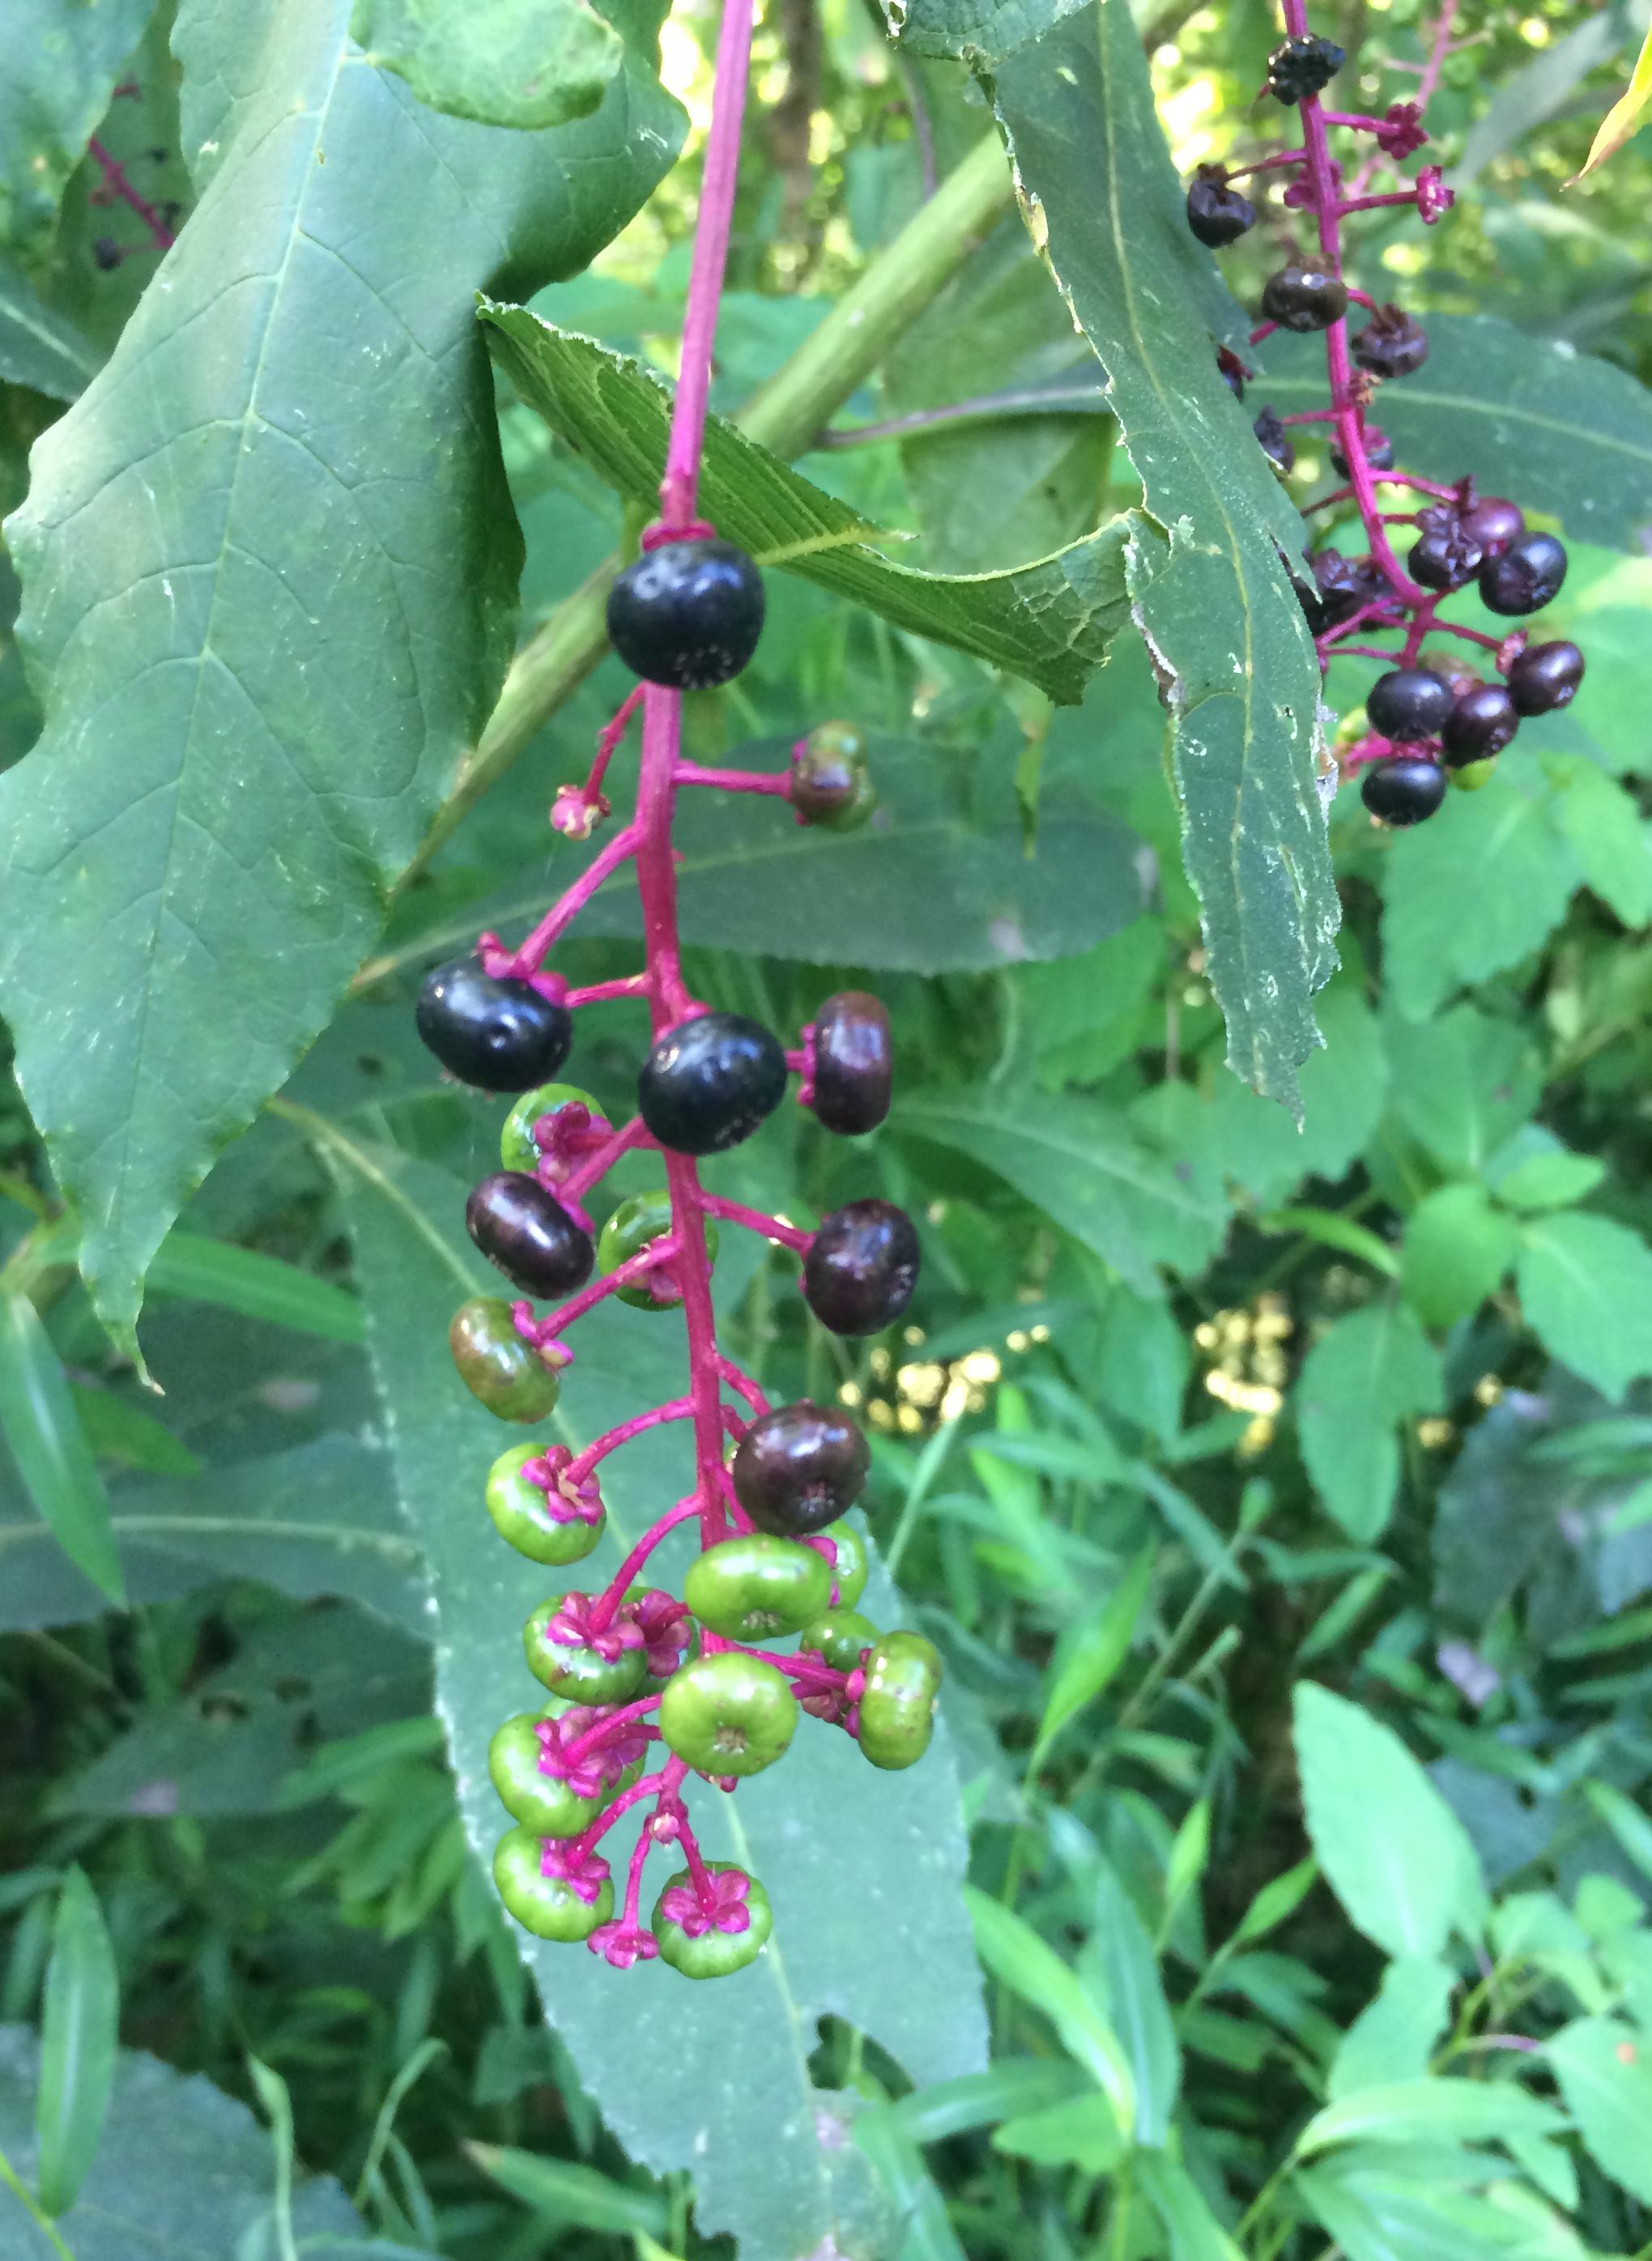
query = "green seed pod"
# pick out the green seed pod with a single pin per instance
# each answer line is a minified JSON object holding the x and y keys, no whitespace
{"x":728,"y":1714}
{"x":522,"y":1514}
{"x":518,"y":1149}
{"x":497,"y":1365}
{"x":542,"y":1803}
{"x":838,"y":1636}
{"x":714,"y":1953}
{"x":849,"y":1571}
{"x":751,"y":1587}
{"x":572,"y":1669}
{"x":897,"y":1707}
{"x":640,"y":1219}
{"x":545,"y":1905}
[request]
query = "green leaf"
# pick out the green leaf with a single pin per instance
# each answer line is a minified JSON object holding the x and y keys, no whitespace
{"x":1607,"y":833}
{"x":1372,"y":1370}
{"x":741,"y":2046}
{"x":1393,"y":2037}
{"x":43,"y":1431}
{"x":1019,"y":1959}
{"x":1606,"y":2077}
{"x":37,"y":347}
{"x":1233,"y":653}
{"x":1585,"y":1288}
{"x":1457,"y":1249}
{"x":62,"y":60}
{"x":501,"y":62}
{"x":77,"y":2045}
{"x":1460,"y":1084}
{"x":1421,"y":2111}
{"x":262,"y":1287}
{"x":1092,"y":1652}
{"x":569,"y":2192}
{"x":1120,"y":1963}
{"x":270,"y":594}
{"x":1392,"y":1851}
{"x":1050,"y":621}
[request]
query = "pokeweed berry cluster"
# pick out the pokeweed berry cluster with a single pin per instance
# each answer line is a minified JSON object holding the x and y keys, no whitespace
{"x":1429,"y":714}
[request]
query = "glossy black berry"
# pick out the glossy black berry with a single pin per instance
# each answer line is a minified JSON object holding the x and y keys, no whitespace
{"x":1404,"y":791}
{"x":854,"y":1069}
{"x":500,"y":1035}
{"x":1391,"y":344}
{"x":1444,"y":555}
{"x":861,"y":1267}
{"x":1275,"y":442}
{"x":1299,"y":67}
{"x":709,"y":1082}
{"x":1408,"y":703}
{"x":1379,"y":453}
{"x":1525,"y":577}
{"x":1303,"y":298}
{"x":798,"y":1469}
{"x":1481,"y":723}
{"x":1544,"y":676}
{"x":1216,"y":214}
{"x":688,"y":614}
{"x":830,"y":783}
{"x":1493,"y":522}
{"x":522,"y":1226}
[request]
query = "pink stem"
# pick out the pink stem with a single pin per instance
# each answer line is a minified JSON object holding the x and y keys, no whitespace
{"x":614,"y":1593}
{"x":678,"y":1408}
{"x":115,"y":180}
{"x":735,"y":780}
{"x":755,"y":1220}
{"x":529,"y":956}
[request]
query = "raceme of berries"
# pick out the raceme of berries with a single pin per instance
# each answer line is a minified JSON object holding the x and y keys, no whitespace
{"x":1432,"y":722}
{"x":642,"y":1691}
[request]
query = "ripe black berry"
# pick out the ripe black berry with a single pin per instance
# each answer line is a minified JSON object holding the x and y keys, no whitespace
{"x":500,"y":1035}
{"x":1391,"y":344}
{"x":1525,"y":577}
{"x":1216,"y":214}
{"x":861,"y":1267}
{"x":798,"y":1469}
{"x":1481,"y":722}
{"x":1299,"y":67}
{"x":1493,"y":523}
{"x":1275,"y":440}
{"x":521,"y":1226}
{"x":1404,"y":791}
{"x":1301,"y":298}
{"x":1544,"y":676}
{"x":688,"y":614}
{"x":853,"y":1070}
{"x":1379,"y":453}
{"x":709,"y":1082}
{"x":1408,"y":703}
{"x":1444,"y":555}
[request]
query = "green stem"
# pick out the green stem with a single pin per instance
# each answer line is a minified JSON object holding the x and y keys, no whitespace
{"x":784,"y":416}
{"x":25,"y":2197}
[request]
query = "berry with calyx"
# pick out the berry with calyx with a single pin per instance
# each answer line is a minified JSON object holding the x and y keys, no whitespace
{"x":727,"y":1713}
{"x":838,"y":1637}
{"x":897,"y":1705}
{"x":688,"y":614}
{"x":1544,"y":676}
{"x":519,"y":1149}
{"x":1403,"y":790}
{"x":1444,"y":555}
{"x":1525,"y":576}
{"x":1300,"y":67}
{"x":1275,"y":443}
{"x":830,"y":783}
{"x":1216,"y":214}
{"x":550,"y":1906}
{"x":1303,"y":298}
{"x":542,"y":1802}
{"x":497,"y":1365}
{"x":1392,"y":344}
{"x":854,"y":1073}
{"x":1408,"y":702}
{"x":861,"y":1267}
{"x":798,"y":1469}
{"x":521,"y":1512}
{"x":1493,"y":522}
{"x":710,"y":1082}
{"x":566,"y":1657}
{"x":708,"y":1941}
{"x":1481,"y":723}
{"x":640,"y":1220}
{"x":1379,"y":453}
{"x":848,"y":1565}
{"x":521,"y":1227}
{"x":749,"y":1587}
{"x":498,"y":1035}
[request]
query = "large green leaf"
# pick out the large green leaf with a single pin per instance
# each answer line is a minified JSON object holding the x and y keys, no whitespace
{"x":1234,"y":655}
{"x":1050,"y":621}
{"x":730,"y":2098}
{"x":270,"y":577}
{"x":1372,"y":1370}
{"x":62,"y":58}
{"x":502,"y":62}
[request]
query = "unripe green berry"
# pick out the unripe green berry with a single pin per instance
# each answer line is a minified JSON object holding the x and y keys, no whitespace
{"x":576,"y":1671}
{"x":518,"y":1148}
{"x":545,"y":1905}
{"x":838,"y":1636}
{"x":755,"y":1586}
{"x":897,"y":1705}
{"x":497,"y":1365}
{"x":522,"y":1513}
{"x":543,"y":1802}
{"x":728,"y":1714}
{"x":714,"y":1953}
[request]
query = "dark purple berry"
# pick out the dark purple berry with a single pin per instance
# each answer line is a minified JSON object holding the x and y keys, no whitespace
{"x":1403,"y":790}
{"x":522,"y":1226}
{"x":688,"y":614}
{"x":1481,"y":723}
{"x":1379,"y":453}
{"x":1525,"y":577}
{"x":798,"y":1469}
{"x":1275,"y":442}
{"x":1408,"y":703}
{"x":1493,"y":523}
{"x":1544,"y":676}
{"x":500,"y":1036}
{"x":853,"y":1070}
{"x":1231,"y":369}
{"x":1303,"y":298}
{"x":1391,"y":344}
{"x":1299,"y":67}
{"x":709,"y":1082}
{"x":1216,"y":214}
{"x":1444,"y":555}
{"x":861,"y":1267}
